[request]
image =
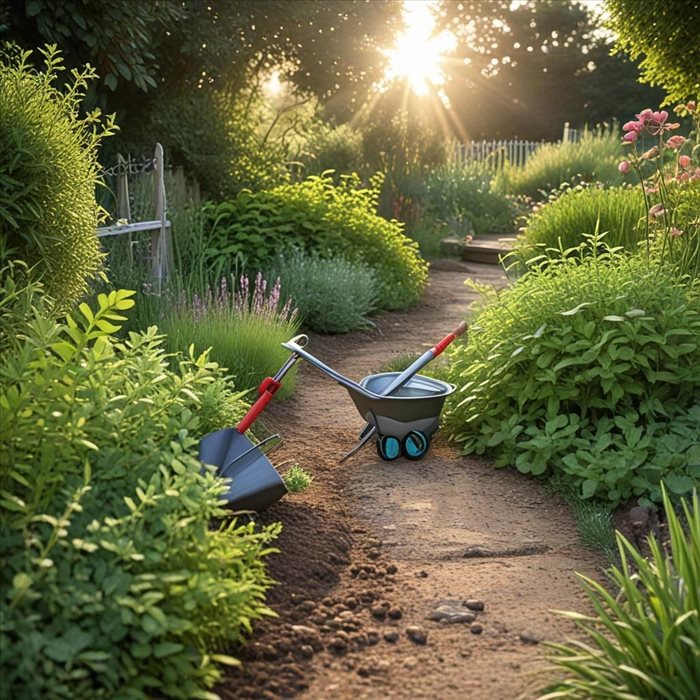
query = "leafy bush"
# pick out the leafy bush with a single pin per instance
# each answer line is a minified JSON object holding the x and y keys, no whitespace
{"x":592,"y":159}
{"x":48,"y":172}
{"x":332,"y":295}
{"x":114,"y":583}
{"x":586,"y":371}
{"x":462,"y":197}
{"x":244,"y":329}
{"x":644,"y":642}
{"x":317,"y":216}
{"x":336,"y":148}
{"x":297,"y":479}
{"x":566,"y":220}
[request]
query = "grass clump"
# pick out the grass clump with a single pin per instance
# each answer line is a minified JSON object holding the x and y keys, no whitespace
{"x":585,"y":372}
{"x":566,"y":222}
{"x":242,"y":325}
{"x":297,"y":479}
{"x":48,"y":172}
{"x":592,"y":159}
{"x":643,"y":642}
{"x":332,"y":295}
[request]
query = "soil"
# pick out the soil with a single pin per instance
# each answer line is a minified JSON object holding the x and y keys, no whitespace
{"x":373,"y":550}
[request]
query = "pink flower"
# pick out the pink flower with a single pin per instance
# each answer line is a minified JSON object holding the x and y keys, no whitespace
{"x":675,"y":142}
{"x":655,"y":123}
{"x":651,"y":190}
{"x":657,"y":210}
{"x":683,"y":176}
{"x":644,"y":115}
{"x":630,"y":137}
{"x":624,"y":166}
{"x":695,"y":175}
{"x":683,"y":161}
{"x":651,"y":153}
{"x":675,"y":232}
{"x":633,"y":126}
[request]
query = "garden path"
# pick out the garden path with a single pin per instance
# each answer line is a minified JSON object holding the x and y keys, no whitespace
{"x":409,"y":534}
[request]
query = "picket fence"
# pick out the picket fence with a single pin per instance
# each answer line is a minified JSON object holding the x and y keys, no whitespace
{"x":497,"y":153}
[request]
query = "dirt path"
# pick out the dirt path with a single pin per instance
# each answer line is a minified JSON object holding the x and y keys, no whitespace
{"x":371,"y":538}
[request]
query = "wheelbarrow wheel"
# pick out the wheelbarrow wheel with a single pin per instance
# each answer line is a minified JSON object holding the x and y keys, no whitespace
{"x":388,"y":447}
{"x":415,"y":445}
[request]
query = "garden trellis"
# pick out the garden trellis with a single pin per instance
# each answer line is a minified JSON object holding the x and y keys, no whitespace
{"x":161,"y":254}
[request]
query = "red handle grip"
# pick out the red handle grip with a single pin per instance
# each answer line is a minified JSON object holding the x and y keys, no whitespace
{"x":442,"y":345}
{"x":267,"y":390}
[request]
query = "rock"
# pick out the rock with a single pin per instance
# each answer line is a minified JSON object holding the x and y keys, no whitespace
{"x":351,"y":603}
{"x":306,"y":651}
{"x":416,"y":634}
{"x":378,"y":611}
{"x":306,"y":606}
{"x":345,"y":615}
{"x":395,"y":613}
{"x":373,"y":554}
{"x":392,"y":636}
{"x":372,"y":637}
{"x":338,"y":645}
{"x":476,"y":629}
{"x":422,"y":574}
{"x":529,"y":638}
{"x":359,"y":639}
{"x":474,"y":604}
{"x":639,"y":516}
{"x":363,"y":575}
{"x":451,"y":613}
{"x":269,"y":652}
{"x":410,"y":662}
{"x":391,"y":569}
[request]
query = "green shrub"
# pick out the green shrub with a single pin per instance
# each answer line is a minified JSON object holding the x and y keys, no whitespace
{"x":567,"y":220}
{"x":332,"y":295}
{"x":114,"y":583}
{"x":243,"y":329}
{"x":645,"y":641}
{"x":48,"y":172}
{"x":336,"y":148}
{"x":592,"y":159}
{"x":317,"y":216}
{"x":462,"y":197}
{"x":586,"y":371}
{"x":297,"y":479}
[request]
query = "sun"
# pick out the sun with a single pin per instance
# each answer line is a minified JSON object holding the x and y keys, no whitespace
{"x":418,"y":54}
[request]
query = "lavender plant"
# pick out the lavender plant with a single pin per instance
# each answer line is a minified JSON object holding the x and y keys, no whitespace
{"x":243,"y":323}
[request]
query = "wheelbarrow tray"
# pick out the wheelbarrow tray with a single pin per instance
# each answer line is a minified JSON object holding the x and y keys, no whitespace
{"x":414,"y":406}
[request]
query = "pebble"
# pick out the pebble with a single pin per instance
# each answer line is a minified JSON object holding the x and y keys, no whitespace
{"x":474,"y":604}
{"x":529,"y":638}
{"x":306,"y":606}
{"x":451,"y":613}
{"x":416,"y":634}
{"x":422,"y":574}
{"x":476,"y":629}
{"x":372,"y":637}
{"x":351,"y":603}
{"x":391,"y":569}
{"x":378,"y":611}
{"x":639,"y":516}
{"x":306,"y":651}
{"x":395,"y":613}
{"x":338,"y":645}
{"x":410,"y":662}
{"x":391,"y":636}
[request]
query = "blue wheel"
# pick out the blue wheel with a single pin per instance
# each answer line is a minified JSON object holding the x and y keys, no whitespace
{"x":388,"y":448}
{"x":415,"y":445}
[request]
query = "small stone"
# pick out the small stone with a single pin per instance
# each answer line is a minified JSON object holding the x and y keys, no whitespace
{"x":476,"y":629}
{"x":372,"y":637}
{"x":394,"y":613}
{"x":269,"y":652}
{"x":378,"y":611}
{"x":363,"y":575}
{"x":363,"y":671}
{"x":345,"y":615}
{"x":359,"y":638}
{"x":416,"y":634}
{"x":422,"y":574}
{"x":529,"y":638}
{"x":410,"y":662}
{"x":639,"y":516}
{"x":391,"y":569}
{"x":373,"y":554}
{"x":306,"y":606}
{"x":474,"y":604}
{"x":451,"y":613}
{"x":306,"y":651}
{"x":351,"y":603}
{"x":338,"y":645}
{"x":392,"y":636}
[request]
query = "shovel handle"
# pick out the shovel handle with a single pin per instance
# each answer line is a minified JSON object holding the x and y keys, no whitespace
{"x":442,"y":345}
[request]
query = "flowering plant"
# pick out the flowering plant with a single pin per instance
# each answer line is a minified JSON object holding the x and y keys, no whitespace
{"x":675,"y":178}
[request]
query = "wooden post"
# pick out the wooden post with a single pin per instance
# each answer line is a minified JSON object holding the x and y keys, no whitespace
{"x":123,"y":204}
{"x":161,"y":250}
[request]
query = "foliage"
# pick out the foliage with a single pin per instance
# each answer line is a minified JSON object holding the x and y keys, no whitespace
{"x":645,"y":641}
{"x":114,"y":583}
{"x":317,"y":216}
{"x":242,"y":326}
{"x":671,"y":63}
{"x":297,"y":479}
{"x":592,"y":159}
{"x":574,"y":213}
{"x":585,"y":371}
{"x":458,"y":193}
{"x":336,"y":148}
{"x":48,"y":172}
{"x":332,"y":295}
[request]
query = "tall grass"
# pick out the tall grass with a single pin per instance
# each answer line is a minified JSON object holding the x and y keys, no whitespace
{"x":244,"y":328}
{"x":592,"y":159}
{"x":565,"y":221}
{"x":643,"y":642}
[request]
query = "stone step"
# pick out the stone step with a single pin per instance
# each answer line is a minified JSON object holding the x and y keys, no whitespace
{"x":488,"y":248}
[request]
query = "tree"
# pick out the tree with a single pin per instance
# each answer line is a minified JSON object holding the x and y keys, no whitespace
{"x":664,"y":34}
